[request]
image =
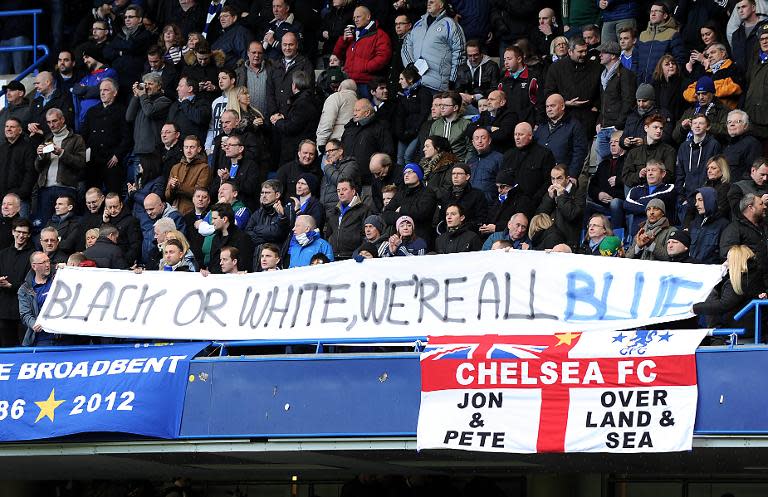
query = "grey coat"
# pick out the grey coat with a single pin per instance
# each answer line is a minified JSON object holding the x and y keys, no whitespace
{"x":441,"y":45}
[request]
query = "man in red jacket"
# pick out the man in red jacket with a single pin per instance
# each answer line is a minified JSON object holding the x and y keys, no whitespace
{"x":365,"y":50}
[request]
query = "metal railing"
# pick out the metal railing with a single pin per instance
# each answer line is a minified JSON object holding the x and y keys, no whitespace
{"x":755,"y":304}
{"x":34,"y":47}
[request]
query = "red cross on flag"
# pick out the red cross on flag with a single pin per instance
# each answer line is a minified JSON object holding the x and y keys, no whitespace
{"x":600,"y":391}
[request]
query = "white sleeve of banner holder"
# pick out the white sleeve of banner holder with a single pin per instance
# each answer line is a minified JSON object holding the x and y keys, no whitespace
{"x":468,"y":294}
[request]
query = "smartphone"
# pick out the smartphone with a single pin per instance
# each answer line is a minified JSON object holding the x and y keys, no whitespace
{"x":47,"y":149}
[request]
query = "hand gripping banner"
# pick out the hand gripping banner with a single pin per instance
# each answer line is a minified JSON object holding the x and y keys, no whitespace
{"x":598,"y":391}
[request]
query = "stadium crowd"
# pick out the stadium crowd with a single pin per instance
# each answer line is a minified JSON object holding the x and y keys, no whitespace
{"x":238,"y":136}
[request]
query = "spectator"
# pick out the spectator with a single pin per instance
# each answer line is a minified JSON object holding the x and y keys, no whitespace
{"x":659,"y":37}
{"x":336,"y":19}
{"x":499,"y":120}
{"x":705,"y":104}
{"x":577,"y":80}
{"x":280,"y":83}
{"x":229,"y":194}
{"x":485,"y":164}
{"x":757,"y":79}
{"x":727,"y":78}
{"x":16,"y":104}
{"x":234,"y":39}
{"x":254,"y":147}
{"x":478,"y":76}
{"x":254,"y":74}
{"x":451,"y":126}
{"x":678,"y":245}
{"x":383,"y":106}
{"x":634,"y":128}
{"x":173,"y":258}
{"x":87,"y":91}
{"x":617,"y":16}
{"x":591,"y":35}
{"x":546,"y":31}
{"x":270,"y":257}
{"x":719,"y":178}
{"x":757,"y":184}
{"x":17,"y":156}
{"x":32,"y":294}
{"x":91,"y":236}
{"x":655,"y":187}
{"x":650,"y":242}
{"x":269,"y":223}
{"x":511,"y":21}
{"x":156,"y":209}
{"x":306,"y":243}
{"x":516,"y":233}
{"x":617,"y":96}
{"x":692,"y":158}
{"x":437,"y":165}
{"x":118,"y":215}
{"x":66,"y":73}
{"x":9,"y":212}
{"x":530,"y":163}
{"x":344,"y":230}
{"x":94,"y":216}
{"x":364,"y":135}
{"x":336,"y":165}
{"x":201,"y":199}
{"x":228,"y":234}
{"x":239,"y":169}
{"x":365,"y":49}
{"x":745,"y":282}
{"x":227,"y":83}
{"x":14,"y":266}
{"x":105,"y":252}
{"x":306,"y":199}
{"x":383,"y":174}
{"x":403,"y":26}
{"x":520,"y":85}
{"x":707,"y":227}
{"x":170,"y":46}
{"x":742,"y":149}
{"x":160,"y":231}
{"x":60,"y":165}
{"x":147,"y":110}
{"x":109,"y":140}
{"x":457,"y":237}
{"x":414,"y":200}
{"x":305,"y":163}
{"x":337,"y":111}
{"x":66,"y":222}
{"x":544,"y":234}
{"x":190,"y":112}
{"x":564,"y":203}
{"x":47,"y":97}
{"x":300,"y":119}
{"x":668,"y":86}
{"x":563,"y":135}
{"x":747,"y":228}
{"x":170,"y":151}
{"x":374,"y":230}
{"x":127,"y":50}
{"x":49,"y":243}
{"x":190,"y":173}
{"x":472,"y":201}
{"x":404,"y":242}
{"x":438,"y":50}
{"x":413,"y":109}
{"x":633,"y":173}
{"x":745,"y":38}
{"x":598,"y":228}
{"x":284,"y":22}
{"x":202,"y":65}
{"x":606,"y":188}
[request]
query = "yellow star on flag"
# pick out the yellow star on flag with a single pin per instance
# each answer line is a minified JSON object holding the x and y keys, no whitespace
{"x":566,"y":338}
{"x":48,"y":406}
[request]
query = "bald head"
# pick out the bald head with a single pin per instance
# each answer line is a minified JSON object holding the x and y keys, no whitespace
{"x":348,"y":84}
{"x":555,"y":106}
{"x":523,"y":135}
{"x":44,"y":83}
{"x":363,"y":108}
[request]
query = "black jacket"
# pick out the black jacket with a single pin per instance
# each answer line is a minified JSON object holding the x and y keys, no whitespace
{"x":289,"y":173}
{"x":743,"y":232}
{"x":279,"y":83}
{"x":741,"y":152}
{"x":419,"y":203}
{"x":503,"y":138}
{"x":106,"y":135}
{"x":59,"y":100}
{"x":599,"y":182}
{"x":582,"y":81}
{"x":127,"y":54}
{"x":266,"y":225}
{"x":473,"y":202}
{"x":235,"y":238}
{"x":346,"y":233}
{"x":618,"y":98}
{"x":363,"y":139}
{"x":248,"y":180}
{"x":412,"y":111}
{"x":531,"y":166}
{"x":69,"y":231}
{"x":724,"y":302}
{"x":299,"y":123}
{"x":106,"y":254}
{"x":192,"y":117}
{"x":15,"y":265}
{"x":17,"y":172}
{"x":634,"y":126}
{"x":129,"y":240}
{"x":461,"y":239}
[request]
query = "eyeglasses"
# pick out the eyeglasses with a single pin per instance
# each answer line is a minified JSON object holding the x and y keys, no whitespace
{"x":735,"y":121}
{"x":329,"y":150}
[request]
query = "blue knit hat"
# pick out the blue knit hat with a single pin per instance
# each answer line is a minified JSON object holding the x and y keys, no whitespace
{"x":412,"y":166}
{"x":705,"y":84}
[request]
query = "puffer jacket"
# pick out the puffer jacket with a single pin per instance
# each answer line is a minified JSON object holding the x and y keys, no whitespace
{"x":367,"y":56}
{"x":728,"y":85}
{"x":706,"y":229}
{"x":654,"y":42}
{"x":441,"y":44}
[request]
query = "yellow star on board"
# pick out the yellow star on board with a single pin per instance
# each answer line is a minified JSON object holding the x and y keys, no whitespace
{"x":48,"y":406}
{"x":566,"y":338}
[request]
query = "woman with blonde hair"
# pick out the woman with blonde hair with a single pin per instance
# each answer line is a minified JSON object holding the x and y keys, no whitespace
{"x":719,"y":178}
{"x":543,"y":233}
{"x":743,"y":283}
{"x":91,"y":236}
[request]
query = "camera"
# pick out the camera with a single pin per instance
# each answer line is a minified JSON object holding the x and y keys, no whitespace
{"x":141,"y":86}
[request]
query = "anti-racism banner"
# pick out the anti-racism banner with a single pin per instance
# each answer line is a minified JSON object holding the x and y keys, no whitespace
{"x":597,"y":391}
{"x":469,"y":293}
{"x":118,"y":389}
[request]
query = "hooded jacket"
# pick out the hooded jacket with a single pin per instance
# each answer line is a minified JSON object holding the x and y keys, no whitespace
{"x":654,"y":42}
{"x":478,"y":81}
{"x":691,"y":166}
{"x":705,"y":230}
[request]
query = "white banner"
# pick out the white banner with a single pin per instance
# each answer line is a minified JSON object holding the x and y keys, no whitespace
{"x":598,"y":391}
{"x":398,"y":297}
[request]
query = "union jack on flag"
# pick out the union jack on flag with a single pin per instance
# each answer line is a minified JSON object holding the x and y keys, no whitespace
{"x":498,"y":347}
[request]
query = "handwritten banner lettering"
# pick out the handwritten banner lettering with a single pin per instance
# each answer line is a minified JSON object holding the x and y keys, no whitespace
{"x":404,"y":296}
{"x":597,"y":391}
